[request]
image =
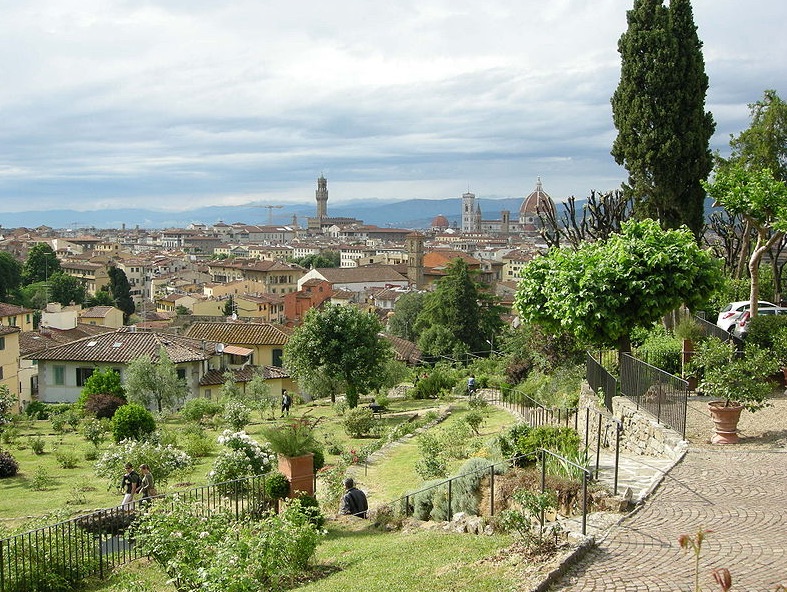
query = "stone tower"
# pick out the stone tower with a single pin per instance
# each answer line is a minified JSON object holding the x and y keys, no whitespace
{"x":469,"y":218}
{"x":322,"y":197}
{"x":415,"y":259}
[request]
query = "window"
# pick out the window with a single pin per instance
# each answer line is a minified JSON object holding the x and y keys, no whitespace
{"x":181,"y":373}
{"x":83,"y":374}
{"x":59,"y":375}
{"x":1,"y":372}
{"x":2,"y":342}
{"x":277,"y":353}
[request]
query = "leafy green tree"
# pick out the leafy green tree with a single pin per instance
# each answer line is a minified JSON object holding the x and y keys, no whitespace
{"x":10,"y":275}
{"x":41,"y":264}
{"x":230,"y":389}
{"x":658,"y":109}
{"x":762,"y":201}
{"x":343,"y":342}
{"x":65,"y":289}
{"x":121,"y":291}
{"x":102,"y":382}
{"x":317,"y":260}
{"x":132,"y":422}
{"x":34,"y":295}
{"x":182,"y":311}
{"x":764,"y":144}
{"x":259,"y":392}
{"x":459,"y":304}
{"x":603,"y":290}
{"x":229,"y":307}
{"x":102,"y":297}
{"x":406,"y":310}
{"x":147,"y":381}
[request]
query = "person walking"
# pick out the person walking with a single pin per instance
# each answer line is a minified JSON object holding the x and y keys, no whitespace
{"x":471,"y":385}
{"x":146,"y":485}
{"x":129,"y":485}
{"x":286,"y":401}
{"x":354,"y":501}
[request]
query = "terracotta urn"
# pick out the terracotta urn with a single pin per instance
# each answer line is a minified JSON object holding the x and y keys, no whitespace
{"x":725,"y":420}
{"x":299,"y":471}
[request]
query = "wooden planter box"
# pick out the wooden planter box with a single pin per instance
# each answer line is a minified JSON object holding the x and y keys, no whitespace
{"x":299,"y":471}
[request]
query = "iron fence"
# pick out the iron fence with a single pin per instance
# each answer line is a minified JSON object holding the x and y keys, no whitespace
{"x":660,"y":393}
{"x":534,"y":413}
{"x":599,"y":378}
{"x":94,"y":544}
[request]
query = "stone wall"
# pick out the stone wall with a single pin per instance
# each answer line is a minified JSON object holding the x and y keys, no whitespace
{"x":641,"y":434}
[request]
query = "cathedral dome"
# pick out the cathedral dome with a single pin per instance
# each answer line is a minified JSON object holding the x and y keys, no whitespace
{"x":440,"y":222}
{"x":538,"y":199}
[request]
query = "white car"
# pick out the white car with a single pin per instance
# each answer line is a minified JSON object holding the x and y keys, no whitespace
{"x":731,"y":313}
{"x":741,"y":328}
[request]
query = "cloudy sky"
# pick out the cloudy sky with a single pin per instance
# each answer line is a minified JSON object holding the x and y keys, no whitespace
{"x":178,"y":103}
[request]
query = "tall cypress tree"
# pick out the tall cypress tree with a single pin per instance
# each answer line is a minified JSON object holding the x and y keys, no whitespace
{"x":659,"y":112}
{"x":121,"y":291}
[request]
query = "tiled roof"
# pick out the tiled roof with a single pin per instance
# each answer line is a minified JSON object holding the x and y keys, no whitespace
{"x":96,"y":312}
{"x":6,"y":330}
{"x":7,"y":310}
{"x":340,"y":275}
{"x":33,"y":341}
{"x":238,"y":333}
{"x":123,"y":346}
{"x":406,"y":351}
{"x":216,"y":377}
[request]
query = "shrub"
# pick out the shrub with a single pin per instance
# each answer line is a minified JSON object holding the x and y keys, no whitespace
{"x":277,"y":486}
{"x":198,"y":445}
{"x":358,"y":421}
{"x":58,"y":422}
{"x":36,"y":445}
{"x":37,"y":410}
{"x":523,"y":520}
{"x":661,"y":350}
{"x":562,"y":440}
{"x":95,"y":431}
{"x":132,"y":422}
{"x":8,"y":465}
{"x":91,"y":453}
{"x":216,"y":553}
{"x":103,"y":406}
{"x":432,"y":462}
{"x":243,"y":457}
{"x":66,"y":458}
{"x":423,"y":500}
{"x":507,"y":441}
{"x":474,"y":419}
{"x":10,"y":435}
{"x":434,"y":384}
{"x":199,"y":409}
{"x":41,"y":480}
{"x":763,"y":328}
{"x":237,"y":414}
{"x":164,"y":461}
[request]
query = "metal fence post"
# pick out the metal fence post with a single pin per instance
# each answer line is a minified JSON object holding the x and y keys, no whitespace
{"x":492,"y":490}
{"x":598,"y":442}
{"x":450,"y":513}
{"x":618,"y":430}
{"x":585,"y":476}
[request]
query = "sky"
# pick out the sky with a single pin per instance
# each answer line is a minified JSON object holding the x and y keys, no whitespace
{"x":172,"y":104}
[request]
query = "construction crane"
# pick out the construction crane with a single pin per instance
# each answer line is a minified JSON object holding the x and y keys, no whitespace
{"x":270,"y":212}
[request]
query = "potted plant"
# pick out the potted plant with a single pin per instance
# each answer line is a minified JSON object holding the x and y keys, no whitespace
{"x":295,"y":444}
{"x":735,"y":380}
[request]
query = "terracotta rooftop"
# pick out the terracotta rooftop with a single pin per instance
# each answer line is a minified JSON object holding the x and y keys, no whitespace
{"x":216,"y":377}
{"x":33,"y":341}
{"x":238,"y":333}
{"x":8,"y":310}
{"x":123,"y":346}
{"x":96,"y":312}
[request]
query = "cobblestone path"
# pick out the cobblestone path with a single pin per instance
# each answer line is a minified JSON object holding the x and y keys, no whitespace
{"x":741,"y":495}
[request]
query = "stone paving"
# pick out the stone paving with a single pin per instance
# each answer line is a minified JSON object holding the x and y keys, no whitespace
{"x":739,"y":495}
{"x":738,"y":492}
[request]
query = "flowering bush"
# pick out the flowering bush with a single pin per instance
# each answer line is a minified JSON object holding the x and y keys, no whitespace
{"x":236,"y":414}
{"x":164,"y":461}
{"x":243,"y":457}
{"x":215,"y":552}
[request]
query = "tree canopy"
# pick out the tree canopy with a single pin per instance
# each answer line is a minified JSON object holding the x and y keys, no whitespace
{"x":406,"y":310}
{"x":761,"y":200}
{"x":65,"y":289}
{"x":658,"y":109}
{"x":324,"y":259}
{"x":121,"y":291}
{"x":146,"y":381}
{"x":10,"y":275}
{"x":763,"y":145}
{"x":342,"y":342}
{"x":459,"y":305}
{"x":41,"y":264}
{"x":603,"y":290}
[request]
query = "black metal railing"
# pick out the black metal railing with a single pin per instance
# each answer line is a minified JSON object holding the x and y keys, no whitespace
{"x":94,"y":544}
{"x":601,"y":379}
{"x":534,"y":413}
{"x":660,"y":393}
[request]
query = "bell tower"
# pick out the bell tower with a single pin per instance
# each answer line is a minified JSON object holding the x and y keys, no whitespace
{"x":322,"y":197}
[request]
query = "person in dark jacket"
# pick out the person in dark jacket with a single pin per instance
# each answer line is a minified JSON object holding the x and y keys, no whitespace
{"x":353,"y":501}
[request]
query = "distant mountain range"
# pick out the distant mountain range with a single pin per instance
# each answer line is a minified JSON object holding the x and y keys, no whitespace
{"x":412,"y":213}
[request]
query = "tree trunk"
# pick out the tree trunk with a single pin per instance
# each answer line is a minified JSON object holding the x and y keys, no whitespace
{"x":624,"y":347}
